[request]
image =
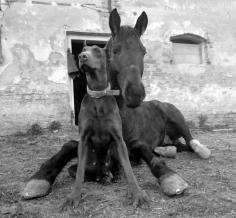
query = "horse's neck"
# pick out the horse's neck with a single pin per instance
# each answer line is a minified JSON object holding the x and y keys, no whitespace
{"x":120,"y":102}
{"x":113,"y":82}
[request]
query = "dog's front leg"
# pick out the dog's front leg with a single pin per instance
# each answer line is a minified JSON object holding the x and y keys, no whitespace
{"x":74,"y":198}
{"x":139,"y":196}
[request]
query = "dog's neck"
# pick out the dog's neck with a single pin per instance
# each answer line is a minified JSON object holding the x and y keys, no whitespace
{"x":98,"y":85}
{"x":97,"y":80}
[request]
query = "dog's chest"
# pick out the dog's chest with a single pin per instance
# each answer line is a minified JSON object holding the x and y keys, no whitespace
{"x":100,"y":138}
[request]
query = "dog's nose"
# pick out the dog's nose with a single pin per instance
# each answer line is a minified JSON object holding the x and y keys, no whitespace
{"x":83,"y":57}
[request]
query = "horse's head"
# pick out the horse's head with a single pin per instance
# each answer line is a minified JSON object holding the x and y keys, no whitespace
{"x":126,"y":53}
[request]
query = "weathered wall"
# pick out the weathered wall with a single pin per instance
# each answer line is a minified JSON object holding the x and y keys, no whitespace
{"x":208,"y":89}
{"x":33,"y":78}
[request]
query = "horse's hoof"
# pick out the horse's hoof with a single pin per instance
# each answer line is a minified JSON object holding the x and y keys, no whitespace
{"x":200,"y":149}
{"x":172,"y":184}
{"x":35,"y":189}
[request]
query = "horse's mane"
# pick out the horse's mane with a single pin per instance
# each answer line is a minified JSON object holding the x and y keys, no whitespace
{"x":127,"y":31}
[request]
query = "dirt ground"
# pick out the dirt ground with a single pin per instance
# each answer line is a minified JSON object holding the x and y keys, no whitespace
{"x":211,"y":193}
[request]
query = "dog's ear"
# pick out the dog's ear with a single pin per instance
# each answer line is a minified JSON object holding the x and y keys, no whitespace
{"x":114,"y":22}
{"x":141,"y":23}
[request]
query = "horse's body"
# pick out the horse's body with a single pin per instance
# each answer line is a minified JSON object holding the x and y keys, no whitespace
{"x":144,"y":124}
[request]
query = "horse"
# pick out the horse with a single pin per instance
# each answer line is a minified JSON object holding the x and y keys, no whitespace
{"x":144,"y":124}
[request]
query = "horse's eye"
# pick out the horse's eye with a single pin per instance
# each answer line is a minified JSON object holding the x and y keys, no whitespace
{"x":116,"y":50}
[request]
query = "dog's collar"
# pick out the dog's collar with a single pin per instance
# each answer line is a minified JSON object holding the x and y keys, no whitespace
{"x":106,"y":92}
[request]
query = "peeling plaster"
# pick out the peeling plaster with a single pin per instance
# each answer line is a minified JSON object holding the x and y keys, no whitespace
{"x":186,"y":26}
{"x":7,"y":56}
{"x":211,"y":97}
{"x":58,"y":75}
{"x":91,"y":25}
{"x":17,"y":79}
{"x":41,"y":51}
{"x":155,"y":25}
{"x":192,"y":6}
{"x":226,"y":59}
{"x":192,"y":69}
{"x":34,"y":49}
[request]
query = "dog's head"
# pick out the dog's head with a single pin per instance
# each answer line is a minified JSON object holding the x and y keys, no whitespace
{"x":92,"y":60}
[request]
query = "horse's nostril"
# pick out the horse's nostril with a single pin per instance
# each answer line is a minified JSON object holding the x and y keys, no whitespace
{"x":134,"y":95}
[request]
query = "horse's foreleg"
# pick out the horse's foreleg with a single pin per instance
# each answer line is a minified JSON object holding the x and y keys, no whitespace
{"x":170,"y":182}
{"x":40,"y":183}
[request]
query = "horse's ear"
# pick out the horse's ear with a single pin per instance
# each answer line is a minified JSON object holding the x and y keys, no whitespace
{"x":141,"y":23}
{"x":114,"y":22}
{"x":85,"y":43}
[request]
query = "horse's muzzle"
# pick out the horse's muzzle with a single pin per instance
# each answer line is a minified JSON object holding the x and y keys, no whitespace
{"x":134,"y":95}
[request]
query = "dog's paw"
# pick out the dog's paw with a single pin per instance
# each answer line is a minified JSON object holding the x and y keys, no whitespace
{"x":70,"y":203}
{"x":141,"y":199}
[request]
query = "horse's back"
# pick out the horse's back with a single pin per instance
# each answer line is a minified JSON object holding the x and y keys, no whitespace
{"x":176,"y":126}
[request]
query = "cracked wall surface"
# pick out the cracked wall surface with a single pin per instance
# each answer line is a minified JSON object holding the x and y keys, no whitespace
{"x":208,"y":89}
{"x":34,"y":85}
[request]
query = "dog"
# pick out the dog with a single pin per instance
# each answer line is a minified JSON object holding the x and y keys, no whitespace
{"x":100,"y":128}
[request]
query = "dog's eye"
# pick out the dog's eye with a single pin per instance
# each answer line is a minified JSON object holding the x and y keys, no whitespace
{"x":97,"y":52}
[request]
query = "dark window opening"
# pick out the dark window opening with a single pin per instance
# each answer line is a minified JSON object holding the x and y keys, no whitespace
{"x":189,"y":48}
{"x":79,"y":79}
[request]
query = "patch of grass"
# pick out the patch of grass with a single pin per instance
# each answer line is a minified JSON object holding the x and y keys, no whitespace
{"x":202,"y":120}
{"x":202,"y":123}
{"x":18,"y":211}
{"x":54,"y":125}
{"x":211,"y":182}
{"x":221,"y":126}
{"x":191,"y":124}
{"x":207,"y":128}
{"x":8,"y":196}
{"x":35,"y":130}
{"x":20,"y":134}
